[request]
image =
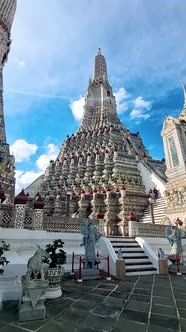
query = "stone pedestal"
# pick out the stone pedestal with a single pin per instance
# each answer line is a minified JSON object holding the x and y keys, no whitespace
{"x":32,"y":301}
{"x":120,"y":269}
{"x":163,"y":267}
{"x":89,"y":274}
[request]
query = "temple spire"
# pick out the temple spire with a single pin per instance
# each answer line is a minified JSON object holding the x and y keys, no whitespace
{"x":183,"y":113}
{"x":100,"y":67}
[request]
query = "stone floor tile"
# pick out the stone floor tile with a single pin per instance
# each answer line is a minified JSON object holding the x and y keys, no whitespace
{"x":83,"y":305}
{"x":86,"y":329}
{"x":140,"y":298}
{"x":128,"y":326}
{"x":143,"y":285}
{"x":166,"y":288}
{"x":72,"y":314}
{"x":139,"y":306}
{"x":107,"y":286}
{"x":85,"y":289}
{"x":161,"y":293}
{"x":12,"y":328}
{"x":53,"y":310}
{"x":119,"y":295}
{"x":58,"y":326}
{"x":154,"y":328}
{"x":62,"y":302}
{"x":181,"y":304}
{"x":106,"y":311}
{"x":164,"y":310}
{"x":73,"y":295}
{"x":98,"y":322}
{"x":130,"y":279}
{"x":93,"y":298}
{"x":142,"y":291}
{"x":162,"y":300}
{"x":180,"y":296}
{"x":31,"y":325}
{"x":124,"y":289}
{"x":182,"y":312}
{"x":164,"y":321}
{"x":114,"y":302}
{"x":135,"y":316}
{"x":183,"y":324}
{"x":92,"y":283}
{"x":113,"y":281}
{"x":180,"y":290}
{"x":99,"y":291}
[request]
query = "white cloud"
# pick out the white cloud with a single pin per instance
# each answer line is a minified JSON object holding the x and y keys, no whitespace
{"x":51,"y":153}
{"x":141,"y":103}
{"x":139,"y":114}
{"x":23,"y":179}
{"x":141,"y":107}
{"x":121,"y":95}
{"x":22,"y":150}
{"x":77,"y":107}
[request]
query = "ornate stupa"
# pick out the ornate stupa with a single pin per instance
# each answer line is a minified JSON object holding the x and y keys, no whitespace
{"x":174,"y":140}
{"x":7,"y":179}
{"x":96,"y":172}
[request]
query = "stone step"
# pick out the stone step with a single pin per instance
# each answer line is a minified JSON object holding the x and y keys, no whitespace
{"x":121,"y":238}
{"x":137,"y":273}
{"x":136,"y":250}
{"x":141,"y":268}
{"x":134,"y":255}
{"x":137,"y":263}
{"x":133,"y":260}
{"x":126,"y":245}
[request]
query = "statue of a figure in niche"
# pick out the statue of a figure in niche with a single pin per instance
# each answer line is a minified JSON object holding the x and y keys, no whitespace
{"x":90,"y":237}
{"x":174,"y":236}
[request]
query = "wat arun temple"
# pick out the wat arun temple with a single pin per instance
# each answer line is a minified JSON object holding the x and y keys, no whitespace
{"x":97,"y":167}
{"x":103,"y":171}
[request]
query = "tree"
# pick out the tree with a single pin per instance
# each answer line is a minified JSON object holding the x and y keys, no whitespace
{"x":4,"y":247}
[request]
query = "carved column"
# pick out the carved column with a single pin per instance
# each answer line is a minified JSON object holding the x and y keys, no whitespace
{"x":38,"y":219}
{"x":20,"y":216}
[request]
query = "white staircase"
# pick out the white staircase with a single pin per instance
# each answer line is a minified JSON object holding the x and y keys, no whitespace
{"x":158,"y":211}
{"x":136,"y":261}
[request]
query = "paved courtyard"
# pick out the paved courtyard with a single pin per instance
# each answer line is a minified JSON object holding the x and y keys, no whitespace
{"x":135,"y":304}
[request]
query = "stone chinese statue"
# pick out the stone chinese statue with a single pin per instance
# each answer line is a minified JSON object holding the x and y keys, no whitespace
{"x":90,"y":237}
{"x":35,"y":266}
{"x":90,"y":260}
{"x":174,"y":236}
{"x":34,"y":287}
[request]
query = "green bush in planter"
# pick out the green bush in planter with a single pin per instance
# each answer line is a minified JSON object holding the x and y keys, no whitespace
{"x":57,"y":256}
{"x":3,"y":260}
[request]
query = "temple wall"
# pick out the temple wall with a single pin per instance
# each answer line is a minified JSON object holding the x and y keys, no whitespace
{"x":151,"y":180}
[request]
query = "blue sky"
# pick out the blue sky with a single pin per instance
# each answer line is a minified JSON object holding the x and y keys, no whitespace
{"x":51,"y":59}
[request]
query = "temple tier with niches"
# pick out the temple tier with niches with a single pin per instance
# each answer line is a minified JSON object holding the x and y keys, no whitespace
{"x":96,"y":174}
{"x":7,"y":179}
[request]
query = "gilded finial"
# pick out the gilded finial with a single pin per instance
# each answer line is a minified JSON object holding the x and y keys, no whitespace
{"x":99,"y":51}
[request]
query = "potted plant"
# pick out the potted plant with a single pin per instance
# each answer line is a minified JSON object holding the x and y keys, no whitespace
{"x":3,"y":261}
{"x":55,"y":269}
